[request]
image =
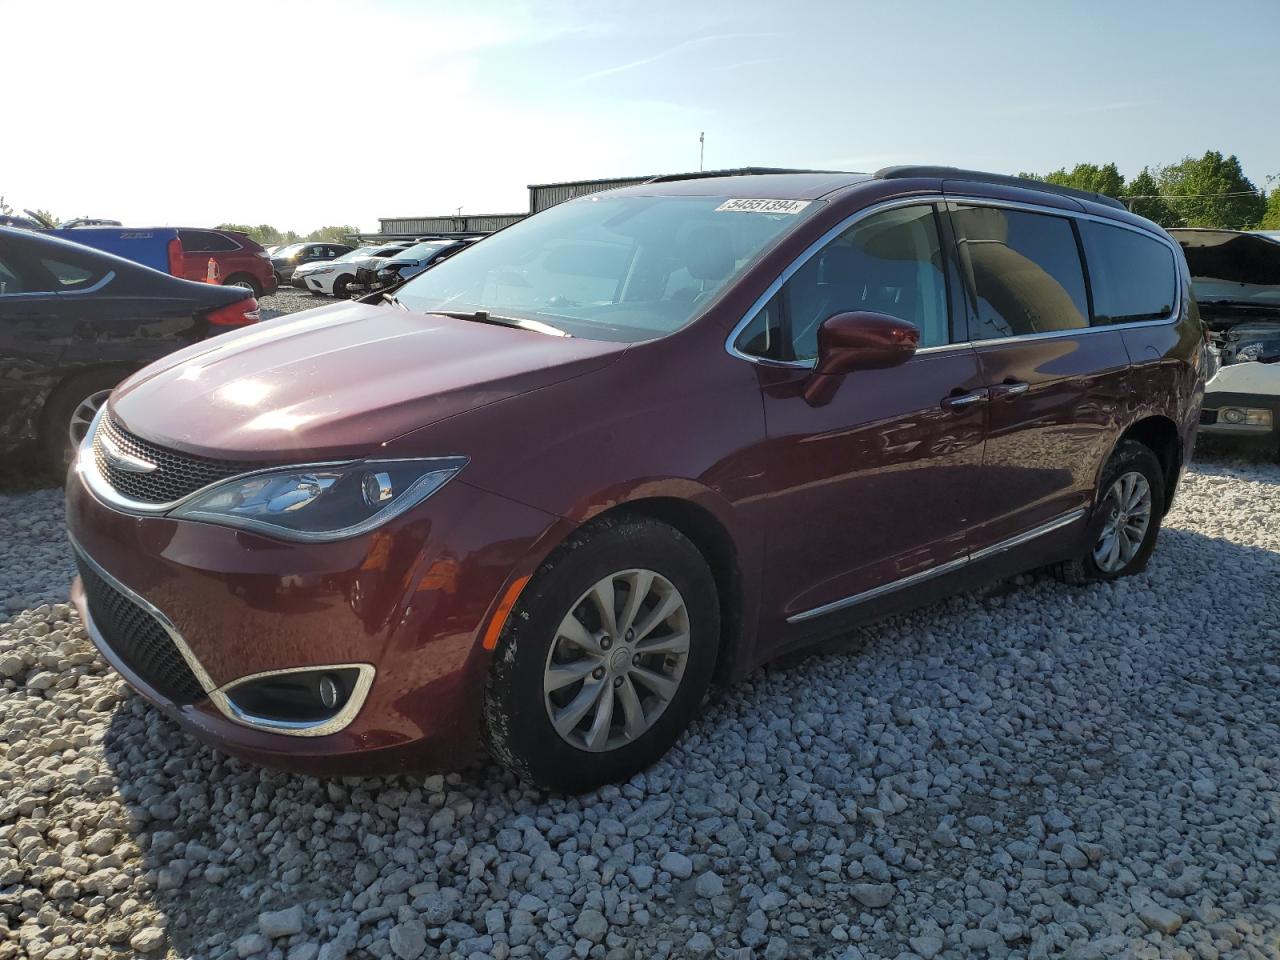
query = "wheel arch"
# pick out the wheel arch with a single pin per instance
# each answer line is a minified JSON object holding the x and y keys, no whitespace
{"x":1160,"y":435}
{"x":717,"y":546}
{"x":254,"y":282}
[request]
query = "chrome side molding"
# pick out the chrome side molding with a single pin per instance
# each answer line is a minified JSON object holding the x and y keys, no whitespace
{"x":920,"y":576}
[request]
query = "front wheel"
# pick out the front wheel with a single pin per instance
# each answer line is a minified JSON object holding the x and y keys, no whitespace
{"x":605,"y":658}
{"x":1126,"y":519}
{"x":340,"y":288}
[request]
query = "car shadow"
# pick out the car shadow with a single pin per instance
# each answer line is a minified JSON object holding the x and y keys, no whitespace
{"x":223,"y":840}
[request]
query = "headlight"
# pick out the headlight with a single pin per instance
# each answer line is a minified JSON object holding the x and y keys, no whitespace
{"x":322,"y":270}
{"x":322,"y":503}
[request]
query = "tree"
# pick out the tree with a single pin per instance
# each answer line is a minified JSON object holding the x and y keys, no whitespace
{"x":1142,"y":196}
{"x":5,"y":209}
{"x":264,"y":233}
{"x":337,"y":234}
{"x":47,"y":218}
{"x":1105,"y":179}
{"x":1271,"y":217}
{"x":1211,"y":191}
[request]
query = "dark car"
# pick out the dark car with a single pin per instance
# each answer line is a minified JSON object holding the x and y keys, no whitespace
{"x":1236,"y":278}
{"x":404,"y":265}
{"x":76,"y":321}
{"x":287,"y":259}
{"x":542,"y":496}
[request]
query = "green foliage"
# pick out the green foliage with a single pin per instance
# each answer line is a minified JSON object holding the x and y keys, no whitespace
{"x":336,"y":234}
{"x":45,"y":217}
{"x":1212,"y":191}
{"x":1142,"y":196}
{"x":1271,"y":217}
{"x":1105,"y":179}
{"x":5,"y":209}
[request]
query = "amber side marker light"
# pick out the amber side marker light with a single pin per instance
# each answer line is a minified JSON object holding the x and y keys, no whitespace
{"x":499,"y":620}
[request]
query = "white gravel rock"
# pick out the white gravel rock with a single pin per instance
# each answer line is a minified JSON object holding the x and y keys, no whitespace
{"x":1027,"y":771}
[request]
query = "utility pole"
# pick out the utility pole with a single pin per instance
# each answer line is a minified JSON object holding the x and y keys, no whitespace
{"x":702,"y":146}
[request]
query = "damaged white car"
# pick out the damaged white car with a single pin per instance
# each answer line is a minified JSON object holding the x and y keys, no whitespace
{"x":1236,"y":276}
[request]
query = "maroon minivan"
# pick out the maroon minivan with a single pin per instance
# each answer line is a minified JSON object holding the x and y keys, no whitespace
{"x":547,"y":492}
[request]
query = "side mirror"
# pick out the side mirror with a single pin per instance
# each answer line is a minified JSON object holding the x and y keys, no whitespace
{"x":860,"y":340}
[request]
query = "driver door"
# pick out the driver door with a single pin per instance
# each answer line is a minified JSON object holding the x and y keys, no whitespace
{"x":879,"y":486}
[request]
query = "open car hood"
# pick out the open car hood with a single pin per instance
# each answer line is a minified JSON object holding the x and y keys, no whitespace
{"x":1236,"y":275}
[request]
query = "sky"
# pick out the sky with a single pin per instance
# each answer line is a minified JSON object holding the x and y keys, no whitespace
{"x":304,"y":114}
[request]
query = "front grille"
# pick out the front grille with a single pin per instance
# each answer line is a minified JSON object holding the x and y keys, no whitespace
{"x":137,"y":638}
{"x":1208,"y":417}
{"x":176,"y":474}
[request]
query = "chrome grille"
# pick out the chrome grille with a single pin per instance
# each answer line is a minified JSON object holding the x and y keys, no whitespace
{"x":138,"y":638}
{"x":176,"y":474}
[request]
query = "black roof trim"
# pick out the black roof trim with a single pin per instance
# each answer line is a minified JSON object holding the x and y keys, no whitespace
{"x":736,"y":172}
{"x":1001,"y":179}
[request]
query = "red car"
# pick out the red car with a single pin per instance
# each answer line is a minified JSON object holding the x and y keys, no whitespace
{"x":648,"y":438}
{"x":241,"y":261}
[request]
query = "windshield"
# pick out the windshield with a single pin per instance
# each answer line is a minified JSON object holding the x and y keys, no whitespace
{"x":356,"y":254}
{"x":420,"y":250}
{"x":288,"y":251}
{"x":606,"y":267}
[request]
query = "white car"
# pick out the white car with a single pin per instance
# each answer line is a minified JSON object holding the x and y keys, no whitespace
{"x":1236,"y":277}
{"x":332,"y":277}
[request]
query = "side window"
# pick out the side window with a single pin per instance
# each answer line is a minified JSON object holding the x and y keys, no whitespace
{"x":1025,"y":271}
{"x":891,"y":262}
{"x":69,"y":276}
{"x":10,"y":279}
{"x":1132,"y":274}
{"x":206,"y":241}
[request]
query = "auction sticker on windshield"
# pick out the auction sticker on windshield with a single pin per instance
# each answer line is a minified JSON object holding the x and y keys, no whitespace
{"x":762,"y":206}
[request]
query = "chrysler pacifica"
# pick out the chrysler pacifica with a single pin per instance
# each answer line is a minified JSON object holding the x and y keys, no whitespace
{"x":543,"y":496}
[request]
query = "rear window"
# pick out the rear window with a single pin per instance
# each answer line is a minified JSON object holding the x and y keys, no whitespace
{"x":1133,"y":275}
{"x":206,"y":241}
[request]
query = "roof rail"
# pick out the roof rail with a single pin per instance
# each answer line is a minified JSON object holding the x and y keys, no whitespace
{"x":955,"y":173}
{"x":736,"y":172}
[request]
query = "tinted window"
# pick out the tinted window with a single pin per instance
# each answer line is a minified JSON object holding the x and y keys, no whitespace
{"x":206,"y":241}
{"x":888,"y":263}
{"x":1133,"y":276}
{"x":10,"y":280}
{"x":69,"y":276}
{"x":1025,"y":271}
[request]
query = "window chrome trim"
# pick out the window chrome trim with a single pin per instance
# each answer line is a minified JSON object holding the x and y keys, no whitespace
{"x":106,"y":278}
{"x":218,"y":695}
{"x":730,"y":343}
{"x":922,"y":575}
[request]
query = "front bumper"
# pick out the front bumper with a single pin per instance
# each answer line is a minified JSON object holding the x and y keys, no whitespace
{"x":1216,"y":402}
{"x":410,"y":600}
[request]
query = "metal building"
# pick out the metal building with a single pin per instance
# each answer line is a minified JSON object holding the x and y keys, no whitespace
{"x":541,"y":196}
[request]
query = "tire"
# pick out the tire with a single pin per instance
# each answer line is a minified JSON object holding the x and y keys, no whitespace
{"x":340,"y":288}
{"x":517,"y":723}
{"x":1130,"y":458}
{"x":72,"y":399}
{"x":246,"y":282}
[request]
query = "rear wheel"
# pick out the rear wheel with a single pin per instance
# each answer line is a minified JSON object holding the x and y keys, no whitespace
{"x":68,"y":414}
{"x":245,"y":282}
{"x":1126,"y":520}
{"x":606,"y":657}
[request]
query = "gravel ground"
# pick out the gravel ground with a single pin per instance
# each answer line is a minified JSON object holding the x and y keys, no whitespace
{"x":289,"y":299}
{"x":1029,"y":771}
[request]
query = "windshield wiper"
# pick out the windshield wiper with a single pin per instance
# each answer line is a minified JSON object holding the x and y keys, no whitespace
{"x":391,"y":299}
{"x":484,"y":316}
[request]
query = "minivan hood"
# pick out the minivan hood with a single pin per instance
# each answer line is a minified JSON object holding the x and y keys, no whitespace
{"x":339,"y":381}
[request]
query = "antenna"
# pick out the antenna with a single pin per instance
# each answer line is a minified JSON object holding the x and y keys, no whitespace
{"x":702,"y":146}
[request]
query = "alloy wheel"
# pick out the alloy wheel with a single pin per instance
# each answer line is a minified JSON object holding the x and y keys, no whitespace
{"x":1129,"y":515}
{"x":83,"y":416}
{"x":617,"y":660}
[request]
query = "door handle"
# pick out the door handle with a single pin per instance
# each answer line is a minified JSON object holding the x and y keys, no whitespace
{"x":960,"y":401}
{"x":1010,"y":388}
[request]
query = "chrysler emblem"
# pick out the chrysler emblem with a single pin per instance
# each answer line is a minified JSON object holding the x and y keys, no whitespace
{"x":121,"y":460}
